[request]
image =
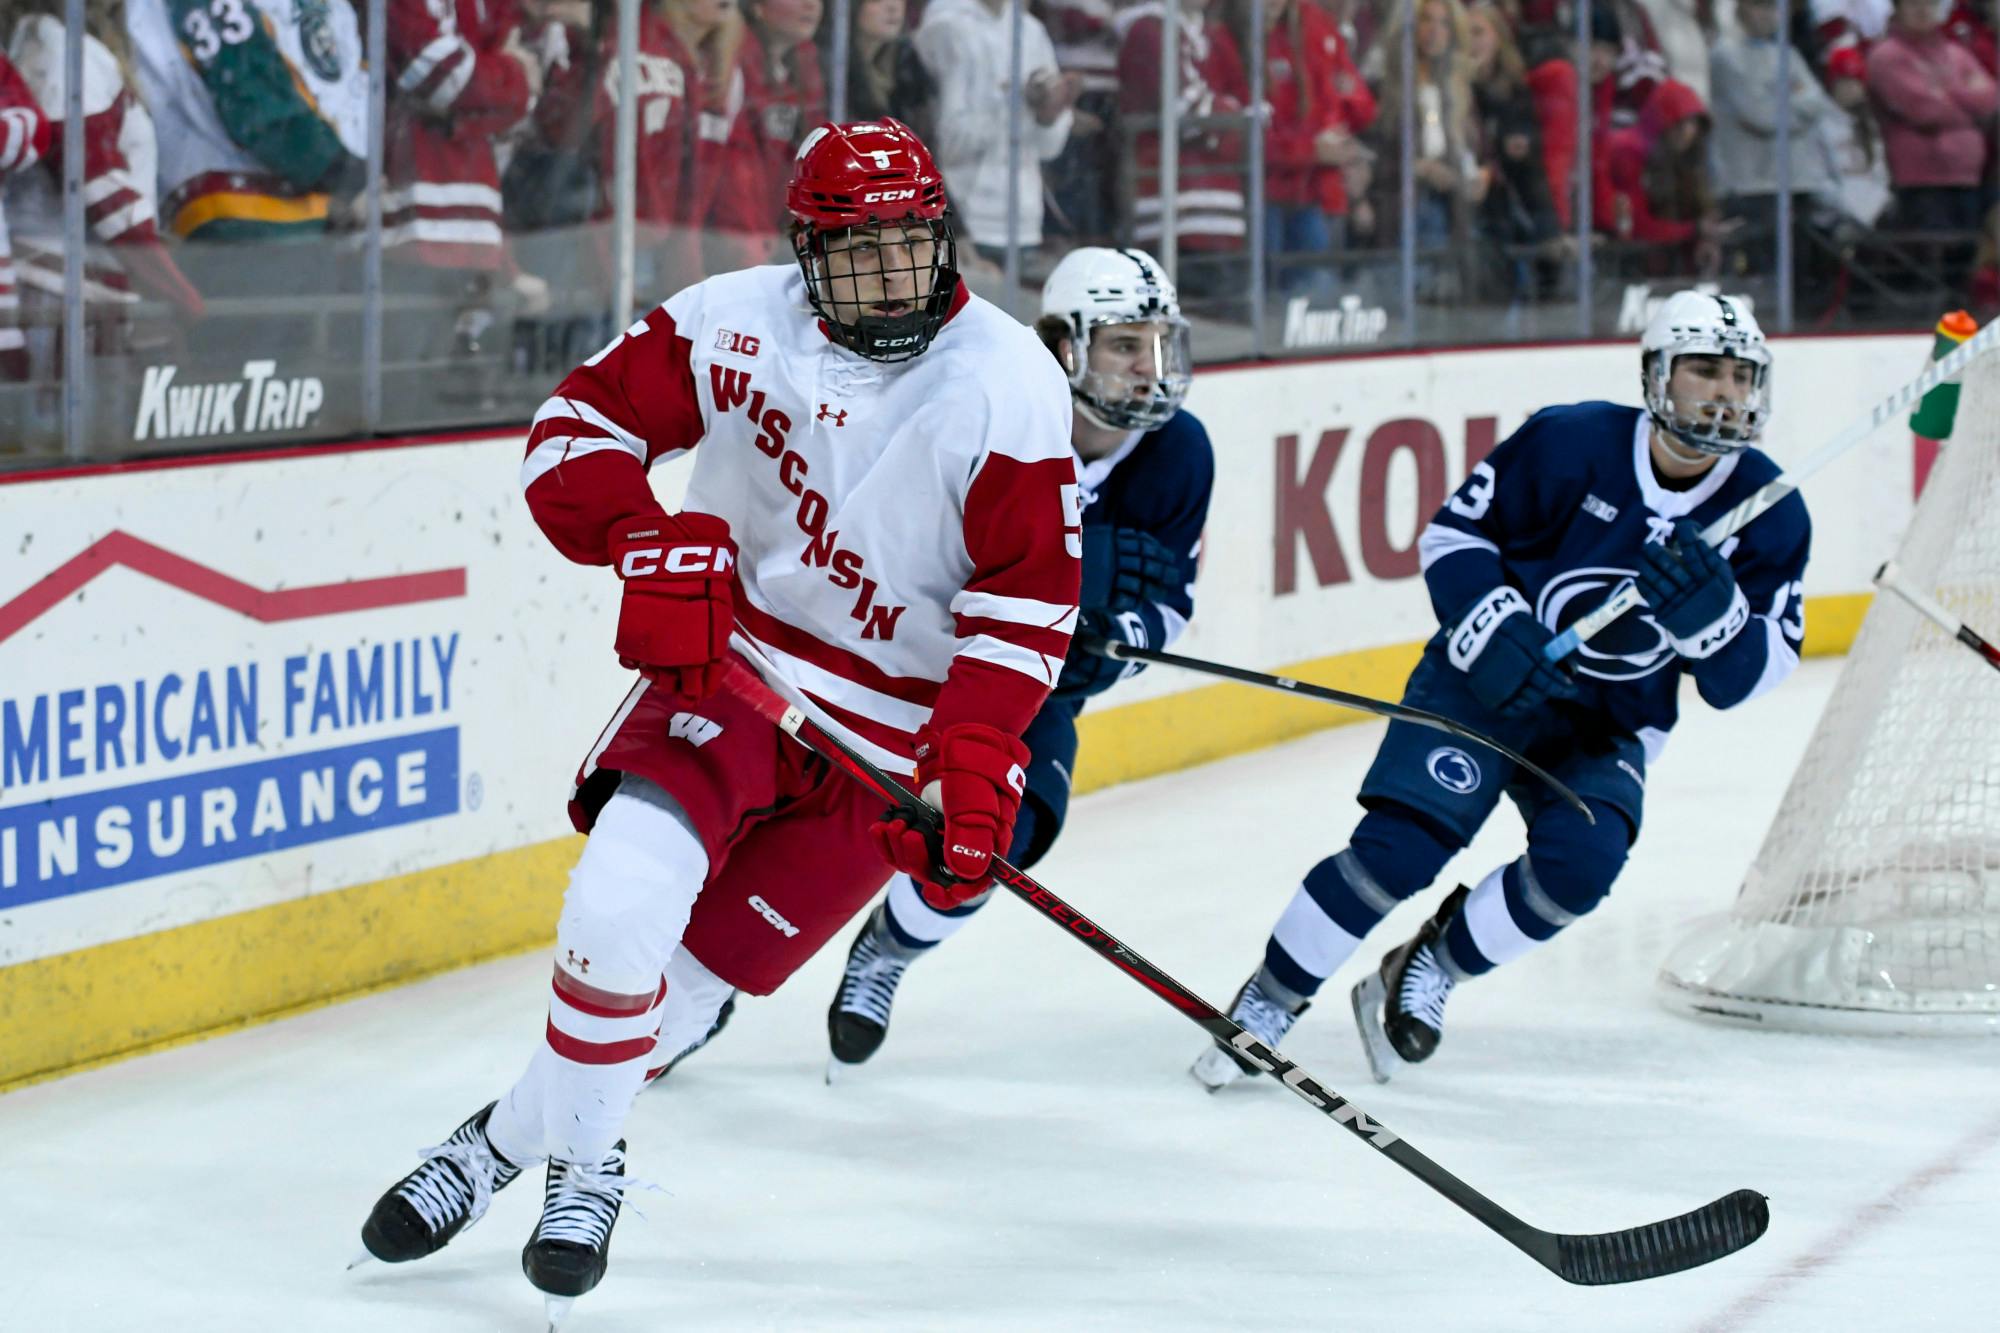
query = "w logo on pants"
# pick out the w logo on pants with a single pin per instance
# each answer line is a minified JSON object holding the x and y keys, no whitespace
{"x":695,"y":730}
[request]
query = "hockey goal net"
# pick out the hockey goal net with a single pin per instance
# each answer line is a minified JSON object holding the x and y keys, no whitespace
{"x":1874,"y":903}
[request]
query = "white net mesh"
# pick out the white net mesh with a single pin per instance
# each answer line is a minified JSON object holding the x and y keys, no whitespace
{"x":1874,"y":904}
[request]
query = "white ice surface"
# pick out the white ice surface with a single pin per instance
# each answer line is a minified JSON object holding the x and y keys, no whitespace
{"x":1028,"y":1152}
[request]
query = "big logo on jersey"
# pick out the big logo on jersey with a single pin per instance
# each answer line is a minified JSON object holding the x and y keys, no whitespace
{"x":1631,"y":647}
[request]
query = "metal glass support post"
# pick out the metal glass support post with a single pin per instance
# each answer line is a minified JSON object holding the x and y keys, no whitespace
{"x":625,"y":171}
{"x":839,"y":53}
{"x":1408,"y":151}
{"x":371,"y":244}
{"x":1170,"y":139}
{"x":1781,"y":93}
{"x":75,"y":342}
{"x":1585,"y":278}
{"x":1016,"y":106}
{"x":1259,"y":118}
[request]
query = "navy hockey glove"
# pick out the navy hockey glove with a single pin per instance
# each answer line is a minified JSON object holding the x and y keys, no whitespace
{"x":1498,"y":644}
{"x":1086,"y":672}
{"x":1691,"y":591}
{"x":1125,"y":568}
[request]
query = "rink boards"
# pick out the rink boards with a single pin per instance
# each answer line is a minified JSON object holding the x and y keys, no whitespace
{"x":277,"y":729}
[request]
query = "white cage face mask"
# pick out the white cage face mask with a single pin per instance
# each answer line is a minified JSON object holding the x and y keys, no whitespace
{"x":1720,"y":425}
{"x":1149,"y":367}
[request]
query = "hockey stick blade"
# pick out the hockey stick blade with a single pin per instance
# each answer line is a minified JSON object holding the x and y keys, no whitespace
{"x":1658,"y":1248}
{"x":1625,"y":596}
{"x":1360,"y":703}
{"x":1634,"y":1255}
{"x":1891,"y":579}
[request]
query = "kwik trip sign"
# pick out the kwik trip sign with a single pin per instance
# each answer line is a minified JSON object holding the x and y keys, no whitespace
{"x":158,"y":714}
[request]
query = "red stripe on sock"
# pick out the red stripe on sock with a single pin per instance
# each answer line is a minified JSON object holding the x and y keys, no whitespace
{"x":598,"y":1052}
{"x":588,"y":999}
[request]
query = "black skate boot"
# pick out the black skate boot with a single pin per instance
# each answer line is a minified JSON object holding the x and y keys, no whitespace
{"x":858,"y":1019}
{"x":446,"y":1194}
{"x":567,"y":1255}
{"x":1257,"y":1012}
{"x":1400,"y":1008}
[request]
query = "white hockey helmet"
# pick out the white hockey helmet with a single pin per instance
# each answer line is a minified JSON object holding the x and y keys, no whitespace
{"x":1693,"y":323}
{"x":1094,"y":288}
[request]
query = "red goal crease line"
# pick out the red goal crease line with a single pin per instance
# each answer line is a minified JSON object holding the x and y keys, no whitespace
{"x":267,"y":606}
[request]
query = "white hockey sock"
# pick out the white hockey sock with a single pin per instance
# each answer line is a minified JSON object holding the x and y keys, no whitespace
{"x":1311,"y":938}
{"x":622,"y":920}
{"x":1495,"y":933}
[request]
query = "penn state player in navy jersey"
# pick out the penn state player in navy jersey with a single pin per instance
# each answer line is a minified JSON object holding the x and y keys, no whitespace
{"x":1577,"y":500}
{"x":1112,"y":318}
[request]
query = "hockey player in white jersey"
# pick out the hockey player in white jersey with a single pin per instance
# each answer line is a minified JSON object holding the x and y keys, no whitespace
{"x":884,"y":504}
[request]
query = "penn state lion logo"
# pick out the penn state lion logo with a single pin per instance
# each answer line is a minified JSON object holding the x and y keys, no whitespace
{"x":316,"y":40}
{"x":1453,"y":769}
{"x":1630,"y":648}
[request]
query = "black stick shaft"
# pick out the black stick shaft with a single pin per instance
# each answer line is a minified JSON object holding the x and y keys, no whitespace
{"x":1362,"y":703}
{"x":1641,"y":1252}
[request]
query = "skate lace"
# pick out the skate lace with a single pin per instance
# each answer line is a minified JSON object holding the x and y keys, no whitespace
{"x":1265,"y":1018}
{"x":1426,"y":986}
{"x":869,"y":986}
{"x":583,"y":1202}
{"x":456,"y":1178}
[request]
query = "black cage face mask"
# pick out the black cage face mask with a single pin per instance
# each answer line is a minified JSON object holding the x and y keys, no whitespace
{"x":913,"y":262}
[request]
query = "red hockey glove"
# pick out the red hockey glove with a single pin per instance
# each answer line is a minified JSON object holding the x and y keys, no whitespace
{"x":674,"y":622}
{"x":973,"y":775}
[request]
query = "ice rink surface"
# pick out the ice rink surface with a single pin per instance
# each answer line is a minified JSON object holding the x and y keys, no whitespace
{"x":1028,"y":1152}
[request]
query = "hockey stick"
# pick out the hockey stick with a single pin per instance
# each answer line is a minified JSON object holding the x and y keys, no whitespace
{"x":1653,"y":1250}
{"x":1120,"y":652}
{"x":1891,"y":578}
{"x":1626,"y":595}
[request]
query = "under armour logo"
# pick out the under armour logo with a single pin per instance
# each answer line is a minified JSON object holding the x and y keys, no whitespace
{"x":1658,"y":530}
{"x":826,"y":413}
{"x":577,"y":964}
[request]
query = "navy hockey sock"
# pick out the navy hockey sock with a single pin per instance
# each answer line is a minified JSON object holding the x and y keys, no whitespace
{"x":1567,"y":871}
{"x":1393,"y":854}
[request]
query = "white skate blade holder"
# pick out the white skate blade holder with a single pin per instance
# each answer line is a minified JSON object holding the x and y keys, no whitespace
{"x":1368,"y":996}
{"x":558,"y":1309}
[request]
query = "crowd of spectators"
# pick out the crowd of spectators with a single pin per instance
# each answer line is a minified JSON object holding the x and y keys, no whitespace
{"x":212,"y":122}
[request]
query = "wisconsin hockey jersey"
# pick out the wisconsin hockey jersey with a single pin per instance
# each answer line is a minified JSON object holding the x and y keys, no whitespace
{"x":908,"y":533}
{"x":1560,"y":511}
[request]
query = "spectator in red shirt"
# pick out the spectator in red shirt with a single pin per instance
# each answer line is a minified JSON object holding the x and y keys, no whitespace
{"x":1209,"y":213}
{"x":1659,"y":188}
{"x":1319,"y":107}
{"x":784,"y":96}
{"x":24,"y":137}
{"x":1553,"y":86}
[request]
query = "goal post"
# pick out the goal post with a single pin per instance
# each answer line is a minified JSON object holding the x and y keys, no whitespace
{"x":1874,"y":903}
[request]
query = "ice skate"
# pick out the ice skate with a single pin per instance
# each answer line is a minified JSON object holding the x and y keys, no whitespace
{"x":447,"y":1193}
{"x":1399,"y":1008}
{"x":1262,"y":1017}
{"x":567,"y":1254}
{"x":858,"y":1019}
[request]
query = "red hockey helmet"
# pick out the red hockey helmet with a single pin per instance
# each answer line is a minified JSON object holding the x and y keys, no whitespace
{"x":873,"y":237}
